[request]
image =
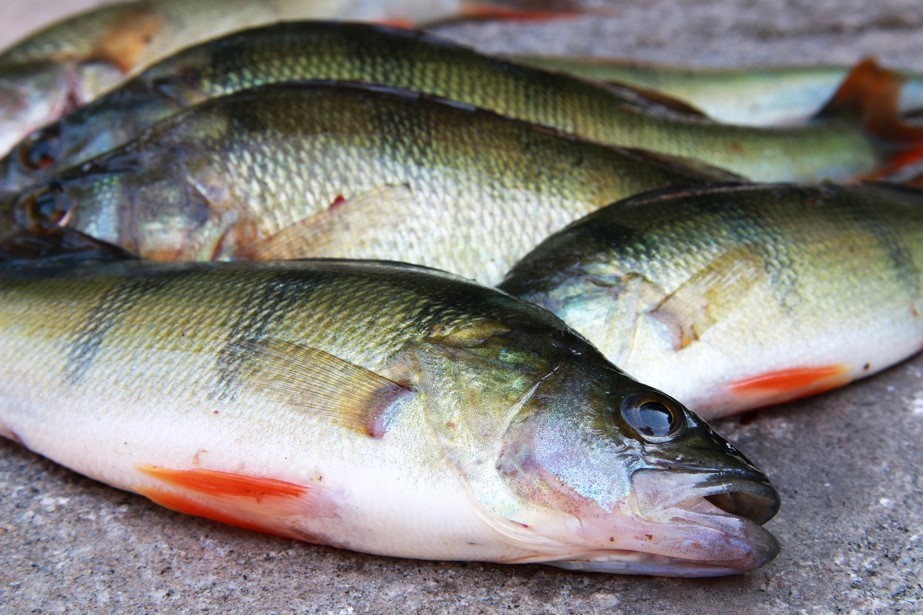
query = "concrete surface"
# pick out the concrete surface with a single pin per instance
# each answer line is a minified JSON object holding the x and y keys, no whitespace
{"x":847,"y":464}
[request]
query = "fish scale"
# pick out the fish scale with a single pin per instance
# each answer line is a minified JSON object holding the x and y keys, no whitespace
{"x":74,"y":61}
{"x":735,"y":297}
{"x":835,"y":149}
{"x":333,"y":171}
{"x":385,"y":408}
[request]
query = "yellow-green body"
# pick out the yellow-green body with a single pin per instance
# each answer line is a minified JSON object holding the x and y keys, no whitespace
{"x":72,"y":62}
{"x":308,"y":171}
{"x":423,"y":63}
{"x":383,"y":408}
{"x":733,"y":297}
{"x":751,"y":95}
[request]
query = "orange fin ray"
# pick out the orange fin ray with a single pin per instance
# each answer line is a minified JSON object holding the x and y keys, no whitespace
{"x":486,"y":10}
{"x":266,"y":505}
{"x":127,"y":39}
{"x":789,"y":384}
{"x":871,"y":95}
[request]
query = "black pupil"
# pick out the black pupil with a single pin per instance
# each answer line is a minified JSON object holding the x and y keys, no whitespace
{"x":51,"y":206}
{"x":651,"y":418}
{"x":42,"y":153}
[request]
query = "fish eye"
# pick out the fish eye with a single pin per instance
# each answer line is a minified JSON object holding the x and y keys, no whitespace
{"x":48,"y":207}
{"x":41,"y":150}
{"x":654,"y":418}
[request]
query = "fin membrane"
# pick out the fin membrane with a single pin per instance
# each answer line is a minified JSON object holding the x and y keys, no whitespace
{"x":790,"y":384}
{"x":314,"y":381}
{"x":266,"y":505}
{"x":335,"y":232}
{"x":708,"y":295}
{"x":870,"y":95}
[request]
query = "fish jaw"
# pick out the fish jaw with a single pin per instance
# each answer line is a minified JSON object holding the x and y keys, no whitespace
{"x":688,"y":524}
{"x":691,"y":525}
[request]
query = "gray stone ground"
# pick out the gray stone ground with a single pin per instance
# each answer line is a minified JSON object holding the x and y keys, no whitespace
{"x":847,"y":463}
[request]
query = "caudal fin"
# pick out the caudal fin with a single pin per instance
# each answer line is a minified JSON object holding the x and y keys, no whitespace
{"x":870,"y":95}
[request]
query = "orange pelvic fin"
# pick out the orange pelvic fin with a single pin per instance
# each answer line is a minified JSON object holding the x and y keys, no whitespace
{"x":871,"y":95}
{"x":261,"y":504}
{"x":486,"y":10}
{"x":788,"y":384}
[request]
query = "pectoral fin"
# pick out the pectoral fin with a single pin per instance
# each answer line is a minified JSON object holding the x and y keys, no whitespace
{"x":339,"y":230}
{"x":708,"y":295}
{"x":316,"y":381}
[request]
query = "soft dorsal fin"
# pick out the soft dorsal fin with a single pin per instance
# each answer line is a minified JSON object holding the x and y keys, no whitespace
{"x":316,"y":381}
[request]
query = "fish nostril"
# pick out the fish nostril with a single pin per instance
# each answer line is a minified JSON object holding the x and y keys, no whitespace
{"x":757,"y":507}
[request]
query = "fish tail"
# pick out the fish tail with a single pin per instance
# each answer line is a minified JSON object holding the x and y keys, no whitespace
{"x":870,"y":94}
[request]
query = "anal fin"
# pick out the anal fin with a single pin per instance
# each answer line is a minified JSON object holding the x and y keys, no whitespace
{"x":266,"y":505}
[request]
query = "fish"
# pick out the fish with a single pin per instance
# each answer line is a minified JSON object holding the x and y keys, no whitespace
{"x":73,"y":61}
{"x":378,"y":407}
{"x":750,"y":96}
{"x":855,"y":140}
{"x":740,"y":296}
{"x":311,"y":170}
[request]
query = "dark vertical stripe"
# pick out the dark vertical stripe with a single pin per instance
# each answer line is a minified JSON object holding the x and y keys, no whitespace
{"x":91,"y":336}
{"x":262,"y":309}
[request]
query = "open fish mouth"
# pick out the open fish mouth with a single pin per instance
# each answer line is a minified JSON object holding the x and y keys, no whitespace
{"x":689,"y":524}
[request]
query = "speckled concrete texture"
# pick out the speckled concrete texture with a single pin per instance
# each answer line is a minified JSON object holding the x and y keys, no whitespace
{"x":848,"y":464}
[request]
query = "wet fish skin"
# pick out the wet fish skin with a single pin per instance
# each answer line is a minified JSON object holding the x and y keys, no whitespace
{"x":355,"y":52}
{"x":752,"y":95}
{"x":301,"y":171}
{"x":736,"y":297}
{"x":95,"y":51}
{"x":316,"y":400}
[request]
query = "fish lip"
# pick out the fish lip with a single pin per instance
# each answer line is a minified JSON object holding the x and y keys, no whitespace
{"x":741,"y":493}
{"x":748,"y":495}
{"x":711,"y":521}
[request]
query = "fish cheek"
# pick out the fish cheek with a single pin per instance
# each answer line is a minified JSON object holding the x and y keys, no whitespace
{"x":555,"y":462}
{"x":169,"y":220}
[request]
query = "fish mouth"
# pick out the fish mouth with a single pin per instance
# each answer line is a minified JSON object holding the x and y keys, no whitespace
{"x":690,"y":524}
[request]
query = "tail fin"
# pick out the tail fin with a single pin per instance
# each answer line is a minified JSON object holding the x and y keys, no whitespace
{"x":870,"y":94}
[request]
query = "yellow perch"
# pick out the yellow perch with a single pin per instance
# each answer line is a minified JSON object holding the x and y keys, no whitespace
{"x":378,"y":407}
